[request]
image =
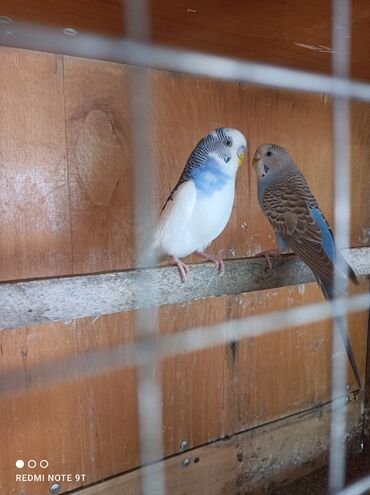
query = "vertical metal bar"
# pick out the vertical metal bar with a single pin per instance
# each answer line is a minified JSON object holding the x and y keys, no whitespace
{"x":149,"y":380}
{"x":341,"y":128}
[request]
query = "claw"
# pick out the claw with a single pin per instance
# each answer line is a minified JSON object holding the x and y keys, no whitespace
{"x":183,"y":269}
{"x":218,"y":262}
{"x":267,"y":255}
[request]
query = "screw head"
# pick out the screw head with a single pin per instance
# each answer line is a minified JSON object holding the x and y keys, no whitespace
{"x":54,"y":488}
{"x":185,"y":462}
{"x":70,"y":32}
{"x":184,"y":444}
{"x":4,"y":19}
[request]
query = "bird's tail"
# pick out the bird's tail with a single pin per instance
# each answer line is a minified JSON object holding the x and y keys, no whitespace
{"x":147,"y":258}
{"x":149,"y":251}
{"x":340,"y":323}
{"x":341,"y":326}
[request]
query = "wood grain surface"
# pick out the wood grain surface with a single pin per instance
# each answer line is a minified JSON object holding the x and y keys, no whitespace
{"x":228,"y":466}
{"x":287,"y":32}
{"x":66,"y":209}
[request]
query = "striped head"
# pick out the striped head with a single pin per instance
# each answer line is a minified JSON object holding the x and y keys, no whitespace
{"x":226,"y":147}
{"x":270,"y":160}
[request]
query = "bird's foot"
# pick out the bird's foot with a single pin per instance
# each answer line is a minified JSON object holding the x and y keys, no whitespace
{"x":183,"y":269}
{"x":271,"y":253}
{"x":218,"y":262}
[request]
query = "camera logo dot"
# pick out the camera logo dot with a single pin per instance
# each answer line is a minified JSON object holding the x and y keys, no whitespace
{"x":32,"y":463}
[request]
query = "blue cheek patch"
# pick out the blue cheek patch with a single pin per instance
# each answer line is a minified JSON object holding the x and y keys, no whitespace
{"x":327,"y":239}
{"x":209,"y":177}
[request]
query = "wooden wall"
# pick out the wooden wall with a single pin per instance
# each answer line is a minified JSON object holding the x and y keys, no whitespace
{"x":66,"y":207}
{"x":287,"y":33}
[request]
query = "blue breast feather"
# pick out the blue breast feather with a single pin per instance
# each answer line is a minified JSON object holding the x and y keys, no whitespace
{"x":327,"y":238}
{"x":209,"y":177}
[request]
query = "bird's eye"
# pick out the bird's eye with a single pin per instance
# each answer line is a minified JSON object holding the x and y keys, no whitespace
{"x":269,"y":153}
{"x":228,"y":143}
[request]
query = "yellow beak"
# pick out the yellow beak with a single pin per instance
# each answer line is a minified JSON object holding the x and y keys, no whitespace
{"x":241,"y":154}
{"x":256,"y":159}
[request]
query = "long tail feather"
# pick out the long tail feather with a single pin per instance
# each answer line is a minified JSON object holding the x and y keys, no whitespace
{"x":347,"y":345}
{"x":340,"y":324}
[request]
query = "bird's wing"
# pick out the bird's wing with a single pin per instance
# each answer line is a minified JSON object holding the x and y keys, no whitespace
{"x":177,"y":211}
{"x":173,"y":219}
{"x":295,"y":217}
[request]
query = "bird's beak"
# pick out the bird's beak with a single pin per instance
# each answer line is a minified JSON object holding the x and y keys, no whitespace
{"x":256,"y":159}
{"x":241,"y":154}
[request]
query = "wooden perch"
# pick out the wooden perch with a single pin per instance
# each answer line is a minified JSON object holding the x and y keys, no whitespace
{"x":31,"y":302}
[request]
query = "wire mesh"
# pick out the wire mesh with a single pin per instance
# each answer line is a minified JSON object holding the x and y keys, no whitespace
{"x":341,"y":31}
{"x":148,"y":374}
{"x":359,"y":488}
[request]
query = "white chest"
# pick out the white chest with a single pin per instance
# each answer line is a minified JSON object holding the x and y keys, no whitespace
{"x":207,"y":220}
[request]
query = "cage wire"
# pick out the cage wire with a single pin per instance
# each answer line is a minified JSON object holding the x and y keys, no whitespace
{"x":151,"y":348}
{"x":341,"y":32}
{"x":359,"y":488}
{"x":146,"y":320}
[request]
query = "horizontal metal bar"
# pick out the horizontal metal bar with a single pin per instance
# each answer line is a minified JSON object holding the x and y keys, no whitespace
{"x":32,"y":302}
{"x":53,"y":40}
{"x":359,"y":488}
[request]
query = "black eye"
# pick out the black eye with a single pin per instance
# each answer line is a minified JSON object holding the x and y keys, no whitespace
{"x":269,"y":153}
{"x":228,"y":143}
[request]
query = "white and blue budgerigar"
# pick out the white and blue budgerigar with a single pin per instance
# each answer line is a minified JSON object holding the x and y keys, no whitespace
{"x":200,"y":205}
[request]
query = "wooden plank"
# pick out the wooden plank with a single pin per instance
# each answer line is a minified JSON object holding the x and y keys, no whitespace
{"x":195,"y":410}
{"x":61,"y":299}
{"x":35,"y":228}
{"x":151,"y":56}
{"x":366,"y":420}
{"x":250,"y":462}
{"x":99,"y":161}
{"x":108,"y":400}
{"x":294,"y":362}
{"x":360,"y":176}
{"x":298,"y":35}
{"x":39,"y":420}
{"x":264,"y":377}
